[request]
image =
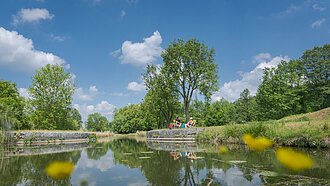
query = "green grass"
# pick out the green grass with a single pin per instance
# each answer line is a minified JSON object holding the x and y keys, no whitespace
{"x":303,"y":130}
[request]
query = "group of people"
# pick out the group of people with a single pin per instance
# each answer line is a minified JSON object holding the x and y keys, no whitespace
{"x":177,"y":123}
{"x":178,"y":155}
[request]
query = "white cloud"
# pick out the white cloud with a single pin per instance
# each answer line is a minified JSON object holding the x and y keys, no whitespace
{"x":291,"y":9}
{"x":251,"y":80}
{"x":318,"y":23}
{"x":24,"y":92}
{"x":140,"y":54}
{"x":31,"y":16}
{"x":80,"y":94}
{"x":318,"y":7}
{"x":104,"y":108}
{"x":57,"y":38}
{"x":262,"y":57}
{"x":122,"y":13}
{"x":119,"y":94}
{"x":18,"y":53}
{"x":135,"y":86}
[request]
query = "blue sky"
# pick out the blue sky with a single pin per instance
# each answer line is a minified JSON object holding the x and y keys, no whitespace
{"x":106,"y":44}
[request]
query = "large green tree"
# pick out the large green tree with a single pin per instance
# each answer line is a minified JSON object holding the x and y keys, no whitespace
{"x":160,"y":98}
{"x":317,"y":65}
{"x":51,"y":92}
{"x":12,"y":105}
{"x":97,"y":122}
{"x":219,"y":113}
{"x":282,"y":91}
{"x":191,"y":66}
{"x":245,"y":108}
{"x":130,"y":119}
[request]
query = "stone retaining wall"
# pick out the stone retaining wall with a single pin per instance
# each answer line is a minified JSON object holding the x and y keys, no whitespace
{"x":174,"y":134}
{"x":49,"y":137}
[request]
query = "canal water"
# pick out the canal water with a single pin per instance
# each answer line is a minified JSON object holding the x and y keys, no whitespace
{"x":133,"y":162}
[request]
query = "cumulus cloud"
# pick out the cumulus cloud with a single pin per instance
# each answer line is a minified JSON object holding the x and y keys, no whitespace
{"x":318,"y":23}
{"x":135,"y":86}
{"x":33,"y":15}
{"x":262,"y":57}
{"x":104,"y":108}
{"x":80,"y":94}
{"x":251,"y":80}
{"x":140,"y":54}
{"x":318,"y":7}
{"x":18,"y":53}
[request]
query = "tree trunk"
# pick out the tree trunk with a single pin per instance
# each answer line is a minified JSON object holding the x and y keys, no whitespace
{"x":186,"y":109}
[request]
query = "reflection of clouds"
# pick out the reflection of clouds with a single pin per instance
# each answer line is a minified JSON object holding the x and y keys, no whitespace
{"x":234,"y":176}
{"x":103,"y":164}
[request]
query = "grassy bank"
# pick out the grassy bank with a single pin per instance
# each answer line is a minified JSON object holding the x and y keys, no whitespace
{"x":303,"y":130}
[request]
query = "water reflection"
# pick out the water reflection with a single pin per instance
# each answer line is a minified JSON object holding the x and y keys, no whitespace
{"x":131,"y":162}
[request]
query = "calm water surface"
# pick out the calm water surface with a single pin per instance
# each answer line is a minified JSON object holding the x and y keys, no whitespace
{"x":132,"y":162}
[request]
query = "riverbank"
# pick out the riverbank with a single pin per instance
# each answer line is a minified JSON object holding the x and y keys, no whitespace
{"x":303,"y":130}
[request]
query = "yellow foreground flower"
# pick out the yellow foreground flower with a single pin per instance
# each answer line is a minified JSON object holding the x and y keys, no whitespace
{"x":257,"y":144}
{"x":293,"y":160}
{"x":223,"y":149}
{"x":60,"y":170}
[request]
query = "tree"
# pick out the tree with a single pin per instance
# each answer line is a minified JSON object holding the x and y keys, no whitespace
{"x":191,"y":67}
{"x":245,"y":107}
{"x":51,"y":93}
{"x":282,"y":91}
{"x":76,"y":119}
{"x":317,"y":65}
{"x":130,"y":119}
{"x":12,"y":105}
{"x":97,"y":122}
{"x":160,"y":97}
{"x":219,"y":113}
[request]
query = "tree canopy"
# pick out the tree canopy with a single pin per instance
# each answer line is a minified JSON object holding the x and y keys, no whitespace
{"x":97,"y":122}
{"x":51,"y":92}
{"x":190,"y":65}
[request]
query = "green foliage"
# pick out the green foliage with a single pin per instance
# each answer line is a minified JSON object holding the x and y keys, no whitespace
{"x":219,"y":113}
{"x":130,"y":119}
{"x":316,"y":62}
{"x":245,"y":108}
{"x":297,"y":86}
{"x":160,"y":101}
{"x":51,"y":92}
{"x":191,"y":66}
{"x":97,"y":122}
{"x":12,"y":105}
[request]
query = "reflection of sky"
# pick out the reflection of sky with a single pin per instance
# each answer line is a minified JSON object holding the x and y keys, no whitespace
{"x":105,"y":172}
{"x":103,"y":164}
{"x":234,"y":176}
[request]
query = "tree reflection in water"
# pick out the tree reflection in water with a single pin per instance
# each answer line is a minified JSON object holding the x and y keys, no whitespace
{"x":29,"y":170}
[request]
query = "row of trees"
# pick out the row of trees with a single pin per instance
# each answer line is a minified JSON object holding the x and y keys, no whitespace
{"x":49,"y":105}
{"x":297,"y":86}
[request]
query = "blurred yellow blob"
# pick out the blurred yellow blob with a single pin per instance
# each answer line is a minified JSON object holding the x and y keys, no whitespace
{"x":257,"y":144}
{"x":293,"y":160}
{"x":223,"y":149}
{"x":59,"y":170}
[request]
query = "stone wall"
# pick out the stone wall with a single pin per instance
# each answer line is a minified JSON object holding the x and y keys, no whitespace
{"x":174,"y":134}
{"x":49,"y":137}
